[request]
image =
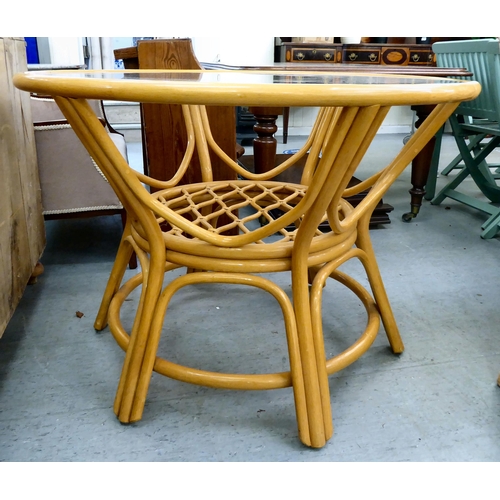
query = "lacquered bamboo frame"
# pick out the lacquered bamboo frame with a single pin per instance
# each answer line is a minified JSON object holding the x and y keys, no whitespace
{"x":340,"y":138}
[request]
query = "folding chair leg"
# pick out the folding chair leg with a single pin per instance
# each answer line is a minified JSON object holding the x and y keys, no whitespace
{"x":491,"y":226}
{"x":455,"y":163}
{"x":450,"y":186}
{"x":430,"y":187}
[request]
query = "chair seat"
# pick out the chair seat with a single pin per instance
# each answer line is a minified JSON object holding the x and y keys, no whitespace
{"x":482,"y":127}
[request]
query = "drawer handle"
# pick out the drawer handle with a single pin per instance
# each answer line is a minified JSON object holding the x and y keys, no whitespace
{"x":372,"y":57}
{"x":328,"y":56}
{"x":300,"y":56}
{"x":416,"y":58}
{"x":353,"y":56}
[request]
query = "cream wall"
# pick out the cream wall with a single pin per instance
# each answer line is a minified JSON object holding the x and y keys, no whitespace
{"x":249,"y":51}
{"x":398,"y":121}
{"x":66,"y":50}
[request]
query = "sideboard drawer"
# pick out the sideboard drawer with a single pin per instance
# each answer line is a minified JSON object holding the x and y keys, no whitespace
{"x":327,"y":54}
{"x":423,"y":56}
{"x":361,"y":55}
{"x":410,"y":55}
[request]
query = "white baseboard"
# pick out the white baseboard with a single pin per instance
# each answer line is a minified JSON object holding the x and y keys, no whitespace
{"x":126,"y":126}
{"x":394,"y":129}
{"x":384,"y":129}
{"x":292,"y":131}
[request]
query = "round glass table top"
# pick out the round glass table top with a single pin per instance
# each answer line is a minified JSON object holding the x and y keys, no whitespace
{"x":248,"y":87}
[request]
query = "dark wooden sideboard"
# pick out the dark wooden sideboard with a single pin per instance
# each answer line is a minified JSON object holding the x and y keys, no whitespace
{"x":386,"y":54}
{"x":360,"y":53}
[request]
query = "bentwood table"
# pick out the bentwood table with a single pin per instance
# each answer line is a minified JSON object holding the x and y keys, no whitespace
{"x":192,"y":226}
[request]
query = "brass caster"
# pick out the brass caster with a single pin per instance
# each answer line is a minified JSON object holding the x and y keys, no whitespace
{"x":408,"y":217}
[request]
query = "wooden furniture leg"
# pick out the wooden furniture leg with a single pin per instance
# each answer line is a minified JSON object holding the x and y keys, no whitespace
{"x":264,"y":146}
{"x":420,"y":166}
{"x":265,"y":152}
{"x":36,"y":272}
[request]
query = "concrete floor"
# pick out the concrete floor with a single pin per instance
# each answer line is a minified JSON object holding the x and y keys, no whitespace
{"x":438,"y":401}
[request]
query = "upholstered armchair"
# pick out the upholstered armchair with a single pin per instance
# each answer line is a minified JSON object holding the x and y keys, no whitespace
{"x":72,"y":184}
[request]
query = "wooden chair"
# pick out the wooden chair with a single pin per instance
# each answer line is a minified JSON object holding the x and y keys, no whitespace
{"x":475,"y":126}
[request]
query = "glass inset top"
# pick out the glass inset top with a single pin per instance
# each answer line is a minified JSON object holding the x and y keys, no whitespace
{"x":247,"y":77}
{"x":248,"y":87}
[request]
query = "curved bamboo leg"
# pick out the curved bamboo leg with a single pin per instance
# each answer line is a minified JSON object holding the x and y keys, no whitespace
{"x":134,"y":358}
{"x":122,"y":259}
{"x":115,"y":325}
{"x":228,"y":278}
{"x":363,"y":343}
{"x":89,"y":130}
{"x":315,"y":297}
{"x":377,"y":285}
{"x":315,"y":378}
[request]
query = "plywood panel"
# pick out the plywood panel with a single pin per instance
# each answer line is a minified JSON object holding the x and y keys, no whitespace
{"x":22,"y":234}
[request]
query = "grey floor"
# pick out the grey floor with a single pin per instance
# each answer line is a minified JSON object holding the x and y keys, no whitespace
{"x":438,"y":401}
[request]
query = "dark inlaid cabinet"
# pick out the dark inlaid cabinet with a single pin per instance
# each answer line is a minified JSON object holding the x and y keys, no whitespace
{"x":361,"y":53}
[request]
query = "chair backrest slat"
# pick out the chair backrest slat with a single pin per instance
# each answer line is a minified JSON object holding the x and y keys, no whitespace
{"x":482,"y":58}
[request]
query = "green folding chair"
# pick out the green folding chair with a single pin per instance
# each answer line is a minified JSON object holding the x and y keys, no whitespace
{"x":475,"y":126}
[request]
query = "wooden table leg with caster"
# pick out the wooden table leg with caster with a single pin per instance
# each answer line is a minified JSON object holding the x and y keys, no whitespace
{"x":420,"y":167}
